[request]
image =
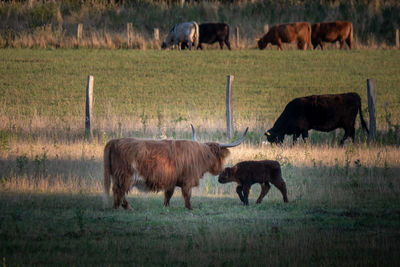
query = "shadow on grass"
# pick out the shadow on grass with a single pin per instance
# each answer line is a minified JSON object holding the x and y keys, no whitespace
{"x":74,"y":229}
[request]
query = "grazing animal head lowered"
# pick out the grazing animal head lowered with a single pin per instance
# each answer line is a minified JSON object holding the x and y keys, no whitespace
{"x":299,"y":32}
{"x":186,"y":32}
{"x":318,"y":112}
{"x":160,"y":165}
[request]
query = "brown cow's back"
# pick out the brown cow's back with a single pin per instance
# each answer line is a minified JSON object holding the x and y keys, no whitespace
{"x":332,"y":32}
{"x":288,"y":33}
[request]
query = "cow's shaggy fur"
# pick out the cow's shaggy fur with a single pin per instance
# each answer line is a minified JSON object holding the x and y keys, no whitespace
{"x":287,"y":33}
{"x":246,"y":173}
{"x":156,"y":165}
{"x":341,"y":31}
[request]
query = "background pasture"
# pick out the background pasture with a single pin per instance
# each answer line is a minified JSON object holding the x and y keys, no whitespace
{"x":148,"y":93}
{"x":344,"y":201}
{"x":54,"y":23}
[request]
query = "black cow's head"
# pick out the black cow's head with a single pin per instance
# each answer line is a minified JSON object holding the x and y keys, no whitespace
{"x":274,"y":137}
{"x":163,"y":45}
{"x":228,"y":175}
{"x":261,"y":43}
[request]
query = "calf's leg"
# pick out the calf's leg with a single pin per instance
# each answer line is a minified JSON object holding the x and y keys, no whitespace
{"x":246,"y":190}
{"x":264,"y":190}
{"x":239,"y":191}
{"x":281,"y":185}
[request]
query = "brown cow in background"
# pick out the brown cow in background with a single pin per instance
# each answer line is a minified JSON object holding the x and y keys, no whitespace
{"x":155,"y":165}
{"x":341,"y":31}
{"x":287,"y":33}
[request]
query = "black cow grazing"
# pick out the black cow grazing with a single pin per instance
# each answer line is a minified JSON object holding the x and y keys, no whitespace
{"x":210,"y":33}
{"x":318,"y":112}
{"x":247,"y":173}
{"x":214,"y":32}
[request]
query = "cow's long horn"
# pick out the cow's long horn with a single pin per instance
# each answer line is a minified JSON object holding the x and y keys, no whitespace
{"x":193,"y":133}
{"x":237,"y":142}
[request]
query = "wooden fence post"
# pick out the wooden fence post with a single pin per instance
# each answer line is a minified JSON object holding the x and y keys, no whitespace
{"x":59,"y":35}
{"x":89,"y":105}
{"x":229,"y":121}
{"x":129,"y":32}
{"x":79,"y":32}
{"x":156,"y":34}
{"x":237,"y":37}
{"x":182,"y":3}
{"x":397,"y":39}
{"x":266,"y":28}
{"x":371,"y":110}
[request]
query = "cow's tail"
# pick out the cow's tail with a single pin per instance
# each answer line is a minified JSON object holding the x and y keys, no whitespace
{"x":363,"y":123}
{"x":309,"y":36}
{"x":350,"y":38}
{"x":107,"y":173}
{"x":196,"y":34}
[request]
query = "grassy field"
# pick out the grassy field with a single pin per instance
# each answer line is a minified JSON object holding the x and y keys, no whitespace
{"x":146,"y":92}
{"x":344,"y":204}
{"x":344,"y":209}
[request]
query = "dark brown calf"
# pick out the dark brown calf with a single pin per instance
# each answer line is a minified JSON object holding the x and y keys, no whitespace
{"x":246,"y":173}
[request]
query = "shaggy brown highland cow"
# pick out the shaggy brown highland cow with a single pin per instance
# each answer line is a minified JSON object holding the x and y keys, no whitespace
{"x":155,"y":165}
{"x":246,"y":173}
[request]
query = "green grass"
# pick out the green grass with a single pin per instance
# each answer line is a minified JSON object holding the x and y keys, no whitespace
{"x":44,"y":90}
{"x":344,"y":204}
{"x":359,"y":227}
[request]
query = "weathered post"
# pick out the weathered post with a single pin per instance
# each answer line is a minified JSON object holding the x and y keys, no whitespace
{"x":79,"y":32}
{"x":237,"y":37}
{"x":129,"y":32}
{"x":371,"y":110}
{"x":89,"y":105}
{"x":266,"y":28}
{"x":229,"y":121}
{"x":59,"y":35}
{"x":397,"y":39}
{"x":156,"y":34}
{"x":182,"y":3}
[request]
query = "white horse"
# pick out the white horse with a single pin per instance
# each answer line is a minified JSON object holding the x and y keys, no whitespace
{"x":187,"y":32}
